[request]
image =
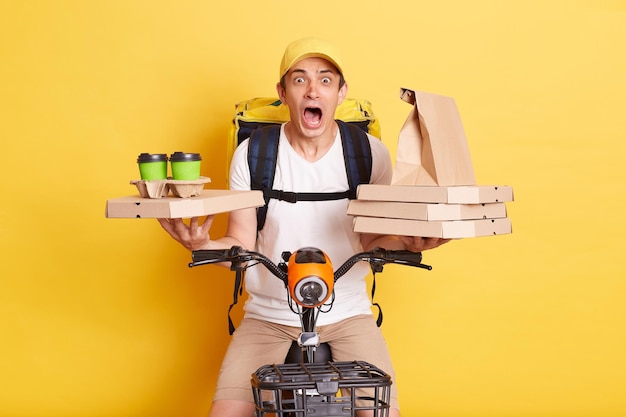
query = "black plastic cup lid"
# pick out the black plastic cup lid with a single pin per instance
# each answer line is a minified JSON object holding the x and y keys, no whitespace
{"x":152,"y":157}
{"x":185,"y":157}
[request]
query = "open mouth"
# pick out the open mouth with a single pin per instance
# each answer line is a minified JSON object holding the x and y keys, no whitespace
{"x":313,"y":116}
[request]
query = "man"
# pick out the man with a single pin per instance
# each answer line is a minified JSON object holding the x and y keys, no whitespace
{"x":310,"y":159}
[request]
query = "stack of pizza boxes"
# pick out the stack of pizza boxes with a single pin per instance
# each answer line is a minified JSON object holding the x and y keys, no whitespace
{"x":433,"y":191}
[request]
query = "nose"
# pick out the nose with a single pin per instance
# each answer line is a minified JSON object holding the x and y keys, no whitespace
{"x":312,"y":92}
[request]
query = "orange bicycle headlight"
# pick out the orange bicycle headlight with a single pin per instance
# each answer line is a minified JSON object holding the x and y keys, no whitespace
{"x":310,"y":277}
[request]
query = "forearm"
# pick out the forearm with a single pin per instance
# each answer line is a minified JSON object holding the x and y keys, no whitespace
{"x":224,"y":242}
{"x":388,"y":242}
{"x":391,"y":242}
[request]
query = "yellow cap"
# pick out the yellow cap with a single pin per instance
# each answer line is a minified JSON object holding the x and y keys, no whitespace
{"x":309,"y":48}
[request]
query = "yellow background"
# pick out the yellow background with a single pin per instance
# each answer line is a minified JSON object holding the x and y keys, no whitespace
{"x":102,"y":317}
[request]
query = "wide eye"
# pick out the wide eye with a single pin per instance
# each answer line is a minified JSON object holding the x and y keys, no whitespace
{"x":326,"y":80}
{"x":298,"y":80}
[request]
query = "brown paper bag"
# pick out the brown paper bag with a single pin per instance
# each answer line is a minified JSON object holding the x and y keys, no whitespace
{"x":432,"y":147}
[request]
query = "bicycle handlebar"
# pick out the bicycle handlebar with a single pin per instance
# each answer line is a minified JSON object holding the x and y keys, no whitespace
{"x":238,"y":257}
{"x":377,"y":258}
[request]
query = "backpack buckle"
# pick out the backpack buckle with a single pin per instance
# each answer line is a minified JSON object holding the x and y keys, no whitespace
{"x":287,"y":196}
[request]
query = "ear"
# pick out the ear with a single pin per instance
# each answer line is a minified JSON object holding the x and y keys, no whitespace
{"x":343,"y":91}
{"x":281,"y":92}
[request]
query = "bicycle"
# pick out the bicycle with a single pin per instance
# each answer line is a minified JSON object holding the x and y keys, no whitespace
{"x":306,"y":385}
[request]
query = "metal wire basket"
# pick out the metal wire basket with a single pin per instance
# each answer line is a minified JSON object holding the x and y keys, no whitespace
{"x":331,"y":389}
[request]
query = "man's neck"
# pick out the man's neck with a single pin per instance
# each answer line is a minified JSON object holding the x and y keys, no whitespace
{"x":311,"y":148}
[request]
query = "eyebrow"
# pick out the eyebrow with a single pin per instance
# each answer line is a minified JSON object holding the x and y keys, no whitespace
{"x":324,"y":71}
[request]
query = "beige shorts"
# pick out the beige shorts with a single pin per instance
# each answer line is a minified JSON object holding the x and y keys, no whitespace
{"x":256,"y":343}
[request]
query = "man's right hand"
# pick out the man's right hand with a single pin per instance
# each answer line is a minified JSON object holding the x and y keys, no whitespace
{"x":192,"y":236}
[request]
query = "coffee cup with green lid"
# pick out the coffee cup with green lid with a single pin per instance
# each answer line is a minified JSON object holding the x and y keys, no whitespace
{"x":185,"y":166}
{"x":152,"y":166}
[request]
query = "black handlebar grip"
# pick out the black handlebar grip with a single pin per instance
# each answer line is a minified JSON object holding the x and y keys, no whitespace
{"x":204,"y":255}
{"x":404,"y":255}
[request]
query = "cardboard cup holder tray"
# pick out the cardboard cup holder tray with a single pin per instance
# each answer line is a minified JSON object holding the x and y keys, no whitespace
{"x":178,"y":188}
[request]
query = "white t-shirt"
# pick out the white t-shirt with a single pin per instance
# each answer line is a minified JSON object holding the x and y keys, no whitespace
{"x":321,"y":224}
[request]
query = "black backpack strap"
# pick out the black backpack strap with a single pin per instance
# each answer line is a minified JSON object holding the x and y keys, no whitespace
{"x":292,"y":197}
{"x":379,"y":320}
{"x":262,"y":159}
{"x":357,"y":154}
{"x":239,"y":274}
{"x":262,"y":156}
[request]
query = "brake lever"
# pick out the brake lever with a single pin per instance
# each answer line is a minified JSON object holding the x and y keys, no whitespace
{"x":415,"y":264}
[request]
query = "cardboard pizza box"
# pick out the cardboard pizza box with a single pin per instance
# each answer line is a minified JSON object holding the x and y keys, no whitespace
{"x":454,"y":229}
{"x":472,"y":194}
{"x":426,"y":211}
{"x":207,"y":203}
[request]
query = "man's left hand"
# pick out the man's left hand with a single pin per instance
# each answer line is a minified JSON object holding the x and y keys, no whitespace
{"x":419,"y":244}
